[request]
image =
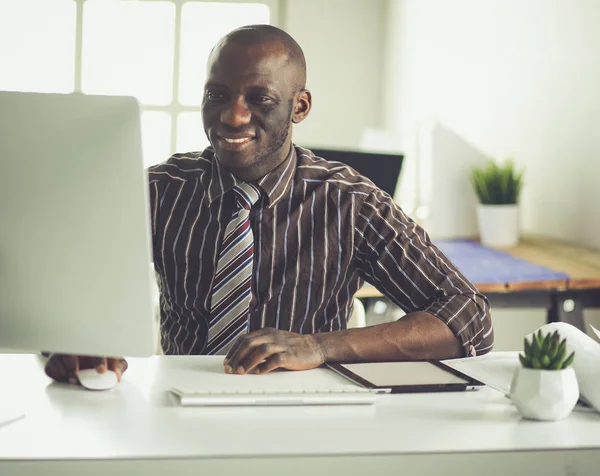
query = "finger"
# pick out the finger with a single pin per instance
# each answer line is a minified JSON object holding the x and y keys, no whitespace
{"x":55,"y":368}
{"x":234,"y":348}
{"x":248,"y":343}
{"x":232,"y":358}
{"x":86,"y":362}
{"x":276,"y":361}
{"x":118,"y":366}
{"x":99,"y":363}
{"x":232,"y":351}
{"x":71,"y":366}
{"x":259,"y":354}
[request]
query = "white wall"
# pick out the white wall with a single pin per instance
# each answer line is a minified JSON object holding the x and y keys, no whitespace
{"x":343,"y":44}
{"x":512,"y":77}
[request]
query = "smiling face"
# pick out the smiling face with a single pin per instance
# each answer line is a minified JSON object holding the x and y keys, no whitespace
{"x":251,"y":98}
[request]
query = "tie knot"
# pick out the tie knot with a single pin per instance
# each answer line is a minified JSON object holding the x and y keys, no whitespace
{"x":246,"y":195}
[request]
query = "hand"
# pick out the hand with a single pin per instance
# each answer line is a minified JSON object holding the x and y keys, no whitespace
{"x":64,"y":367}
{"x":278,"y":349}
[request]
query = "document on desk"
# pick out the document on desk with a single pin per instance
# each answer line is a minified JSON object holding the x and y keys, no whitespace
{"x":495,"y":369}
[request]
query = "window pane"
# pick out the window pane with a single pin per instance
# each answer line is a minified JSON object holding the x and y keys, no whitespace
{"x":128,"y":49}
{"x":156,"y":137}
{"x":190,"y":133}
{"x":217,"y":19}
{"x":37,"y":45}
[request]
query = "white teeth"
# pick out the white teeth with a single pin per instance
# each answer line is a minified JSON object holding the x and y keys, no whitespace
{"x":236,"y":141}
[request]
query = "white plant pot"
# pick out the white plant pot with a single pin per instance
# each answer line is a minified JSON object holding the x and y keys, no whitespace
{"x":498,"y":225}
{"x":544,"y":394}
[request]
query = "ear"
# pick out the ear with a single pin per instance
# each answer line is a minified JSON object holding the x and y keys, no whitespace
{"x":302,"y":107}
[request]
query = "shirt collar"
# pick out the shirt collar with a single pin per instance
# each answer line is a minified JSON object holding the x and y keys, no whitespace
{"x":274,"y":184}
{"x":221,"y":180}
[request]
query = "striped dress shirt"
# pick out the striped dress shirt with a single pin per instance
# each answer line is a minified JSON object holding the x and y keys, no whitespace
{"x":320,"y":231}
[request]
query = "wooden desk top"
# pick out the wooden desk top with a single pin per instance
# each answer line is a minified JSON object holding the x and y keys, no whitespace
{"x":580,"y":263}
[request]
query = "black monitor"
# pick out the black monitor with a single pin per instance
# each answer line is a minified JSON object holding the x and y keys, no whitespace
{"x":382,"y":168}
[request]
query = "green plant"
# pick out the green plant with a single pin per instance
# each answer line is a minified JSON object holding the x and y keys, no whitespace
{"x":497,"y":184}
{"x":546,"y":353}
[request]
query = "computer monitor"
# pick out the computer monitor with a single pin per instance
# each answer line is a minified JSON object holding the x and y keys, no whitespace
{"x":75,"y":249}
{"x":381,"y":168}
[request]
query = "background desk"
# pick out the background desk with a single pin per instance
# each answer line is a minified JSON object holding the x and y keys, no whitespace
{"x":135,"y":428}
{"x":573,"y":284}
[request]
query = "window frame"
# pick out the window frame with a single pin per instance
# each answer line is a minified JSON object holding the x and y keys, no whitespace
{"x":174,"y":108}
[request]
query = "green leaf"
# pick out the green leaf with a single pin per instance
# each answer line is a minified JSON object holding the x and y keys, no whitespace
{"x":558,"y":359}
{"x":536,"y":341}
{"x":535,"y":346}
{"x":526,"y":347}
{"x":556,"y":364}
{"x":525,"y":362}
{"x":545,"y":361}
{"x":535,"y":363}
{"x":569,"y":360}
{"x":496,"y":184}
{"x":554,"y":345}
{"x":546,"y":344}
{"x":562,"y":349}
{"x":552,"y":352}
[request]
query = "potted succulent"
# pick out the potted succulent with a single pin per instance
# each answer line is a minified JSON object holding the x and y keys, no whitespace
{"x":544,"y":386}
{"x":497,"y":187}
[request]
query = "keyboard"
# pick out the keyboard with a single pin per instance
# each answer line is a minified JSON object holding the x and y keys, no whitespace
{"x":333,"y":395}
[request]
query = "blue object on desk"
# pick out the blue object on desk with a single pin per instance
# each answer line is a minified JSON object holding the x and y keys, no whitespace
{"x":481,"y":264}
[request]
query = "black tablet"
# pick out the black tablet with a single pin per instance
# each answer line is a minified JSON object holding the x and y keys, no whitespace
{"x":407,"y":377}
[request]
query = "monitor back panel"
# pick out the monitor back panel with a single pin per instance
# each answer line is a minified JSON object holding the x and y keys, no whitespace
{"x":74,"y":226}
{"x":382,"y":169}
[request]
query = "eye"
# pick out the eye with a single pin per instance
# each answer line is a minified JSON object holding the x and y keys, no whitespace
{"x":259,"y":99}
{"x":215,"y":96}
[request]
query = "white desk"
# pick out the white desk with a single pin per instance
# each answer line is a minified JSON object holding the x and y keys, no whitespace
{"x":136,"y":428}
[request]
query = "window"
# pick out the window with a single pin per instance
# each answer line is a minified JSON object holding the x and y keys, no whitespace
{"x":37,"y":52}
{"x":155,"y":50}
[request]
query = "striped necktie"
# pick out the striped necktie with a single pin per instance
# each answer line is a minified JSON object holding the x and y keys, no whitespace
{"x":232,"y":285}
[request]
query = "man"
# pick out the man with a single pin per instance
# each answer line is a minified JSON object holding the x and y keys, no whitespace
{"x":259,"y":246}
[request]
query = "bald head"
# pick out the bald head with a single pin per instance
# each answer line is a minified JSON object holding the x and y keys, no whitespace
{"x":254,"y":92}
{"x":272,"y":41}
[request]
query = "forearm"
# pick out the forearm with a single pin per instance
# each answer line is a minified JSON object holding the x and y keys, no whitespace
{"x":418,"y":335}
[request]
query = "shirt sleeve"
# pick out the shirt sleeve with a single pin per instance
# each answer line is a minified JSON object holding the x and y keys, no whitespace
{"x":155,"y":194}
{"x":398,"y":258}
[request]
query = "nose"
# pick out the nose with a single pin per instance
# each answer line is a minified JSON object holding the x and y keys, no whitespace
{"x":236,"y":114}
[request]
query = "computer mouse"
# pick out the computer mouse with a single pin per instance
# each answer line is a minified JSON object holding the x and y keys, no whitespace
{"x":92,"y":380}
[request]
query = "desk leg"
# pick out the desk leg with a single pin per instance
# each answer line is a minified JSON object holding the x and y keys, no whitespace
{"x":567,"y":307}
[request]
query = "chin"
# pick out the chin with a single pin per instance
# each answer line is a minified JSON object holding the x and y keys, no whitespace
{"x":236,"y":160}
